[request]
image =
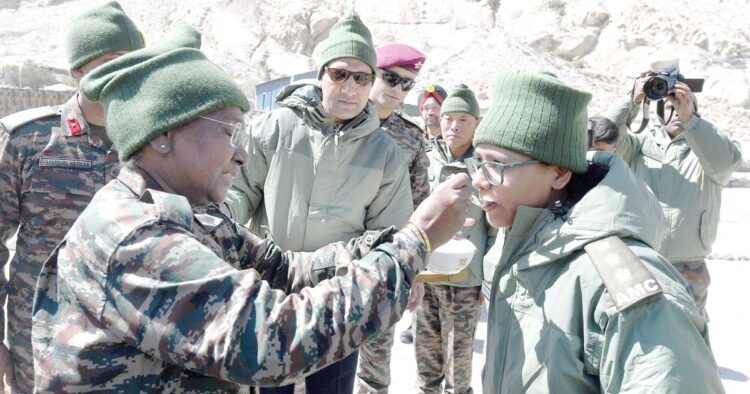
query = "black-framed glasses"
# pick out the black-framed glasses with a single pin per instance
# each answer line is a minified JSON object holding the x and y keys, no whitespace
{"x":393,"y":79}
{"x":493,"y":171}
{"x":340,"y":75}
{"x":238,"y":137}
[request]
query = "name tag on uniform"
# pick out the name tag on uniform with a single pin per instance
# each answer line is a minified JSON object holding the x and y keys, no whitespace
{"x":65,"y":163}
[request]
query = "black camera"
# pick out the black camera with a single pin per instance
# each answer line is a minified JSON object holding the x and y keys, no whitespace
{"x":661,"y":83}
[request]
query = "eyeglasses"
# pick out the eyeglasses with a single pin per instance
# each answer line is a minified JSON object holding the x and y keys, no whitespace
{"x":339,"y":75}
{"x":493,"y":171}
{"x":393,"y":79}
{"x":238,"y":137}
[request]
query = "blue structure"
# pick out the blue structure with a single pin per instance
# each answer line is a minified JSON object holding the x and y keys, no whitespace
{"x":265,"y":93}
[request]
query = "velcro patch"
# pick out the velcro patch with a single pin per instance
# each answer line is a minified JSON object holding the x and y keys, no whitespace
{"x":624,"y":275}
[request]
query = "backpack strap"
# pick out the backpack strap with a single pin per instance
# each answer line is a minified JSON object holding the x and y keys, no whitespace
{"x":625,"y":276}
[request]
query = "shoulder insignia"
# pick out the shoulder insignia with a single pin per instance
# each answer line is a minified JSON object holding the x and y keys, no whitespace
{"x":408,"y":122}
{"x":170,"y":207}
{"x":625,"y":276}
{"x":12,"y":122}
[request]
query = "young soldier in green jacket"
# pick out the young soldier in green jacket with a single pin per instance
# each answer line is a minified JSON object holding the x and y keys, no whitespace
{"x":448,"y":314}
{"x":52,"y":161}
{"x":686,"y":161}
{"x":580,"y":302}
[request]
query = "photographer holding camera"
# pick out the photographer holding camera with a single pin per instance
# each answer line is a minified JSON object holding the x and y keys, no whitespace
{"x":686,"y":161}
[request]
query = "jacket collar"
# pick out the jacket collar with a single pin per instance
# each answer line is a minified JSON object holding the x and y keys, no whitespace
{"x":308,"y":99}
{"x":137,"y":180}
{"x":72,"y":123}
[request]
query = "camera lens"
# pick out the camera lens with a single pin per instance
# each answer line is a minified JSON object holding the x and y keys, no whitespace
{"x":656,"y":88}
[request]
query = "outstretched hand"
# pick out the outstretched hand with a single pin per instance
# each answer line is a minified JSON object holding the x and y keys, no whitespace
{"x":682,"y":101}
{"x":443,"y":213}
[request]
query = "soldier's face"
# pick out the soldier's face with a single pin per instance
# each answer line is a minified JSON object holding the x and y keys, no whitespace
{"x":386,"y":96}
{"x":529,"y":185}
{"x":431,"y":112}
{"x":205,"y":161}
{"x":343,"y":100}
{"x":458,"y":130}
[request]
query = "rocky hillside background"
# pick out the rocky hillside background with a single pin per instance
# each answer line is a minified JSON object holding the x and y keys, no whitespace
{"x":596,"y":45}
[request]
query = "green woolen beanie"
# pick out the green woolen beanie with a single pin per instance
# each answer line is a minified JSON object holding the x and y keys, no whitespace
{"x":150,"y":91}
{"x":461,"y":99}
{"x":99,"y":31}
{"x":349,"y":37}
{"x":539,"y":116}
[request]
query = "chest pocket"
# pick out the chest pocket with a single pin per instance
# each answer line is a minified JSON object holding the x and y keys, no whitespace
{"x":65,"y":176}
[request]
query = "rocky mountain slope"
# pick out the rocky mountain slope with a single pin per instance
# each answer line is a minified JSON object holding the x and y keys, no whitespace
{"x":596,"y":45}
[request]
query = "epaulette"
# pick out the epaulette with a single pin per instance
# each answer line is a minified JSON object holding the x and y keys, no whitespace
{"x":624,"y":275}
{"x":170,"y":207}
{"x":409,"y":122}
{"x":12,"y":122}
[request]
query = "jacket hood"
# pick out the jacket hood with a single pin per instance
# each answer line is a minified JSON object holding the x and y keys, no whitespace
{"x":619,"y":204}
{"x":306,"y":99}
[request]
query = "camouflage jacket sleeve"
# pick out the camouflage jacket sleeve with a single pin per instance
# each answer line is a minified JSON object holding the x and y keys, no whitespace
{"x":418,"y":173}
{"x":302,"y":269}
{"x":173,"y":298}
{"x":10,"y":192}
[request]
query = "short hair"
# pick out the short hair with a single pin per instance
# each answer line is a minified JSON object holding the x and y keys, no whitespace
{"x":604,"y":130}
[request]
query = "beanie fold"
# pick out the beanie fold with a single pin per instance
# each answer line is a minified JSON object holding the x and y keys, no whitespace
{"x":538,"y":116}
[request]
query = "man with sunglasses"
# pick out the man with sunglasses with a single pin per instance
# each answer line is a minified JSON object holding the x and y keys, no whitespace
{"x":321,"y":170}
{"x":52,"y":161}
{"x":397,"y":66}
{"x":686,"y":161}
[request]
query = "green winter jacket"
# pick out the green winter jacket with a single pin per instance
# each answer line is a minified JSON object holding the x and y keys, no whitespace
{"x":480,"y":234}
{"x":310,"y":182}
{"x":686,"y":174}
{"x":553,"y":326}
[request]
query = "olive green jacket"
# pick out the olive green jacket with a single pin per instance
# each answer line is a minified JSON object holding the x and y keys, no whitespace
{"x":686,"y":174}
{"x":310,"y":182}
{"x":480,"y":234}
{"x":552,"y":324}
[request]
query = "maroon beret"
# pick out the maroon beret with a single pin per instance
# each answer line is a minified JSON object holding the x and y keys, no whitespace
{"x":400,"y":55}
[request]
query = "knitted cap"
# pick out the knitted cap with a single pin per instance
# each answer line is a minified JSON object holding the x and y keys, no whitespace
{"x":400,"y":55}
{"x":99,"y":31}
{"x":349,"y":37}
{"x":150,"y":91}
{"x":434,"y":91}
{"x":461,"y":99}
{"x":539,"y":116}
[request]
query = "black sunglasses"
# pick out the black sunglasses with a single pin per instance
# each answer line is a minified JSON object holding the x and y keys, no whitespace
{"x":393,"y":79}
{"x":338,"y":75}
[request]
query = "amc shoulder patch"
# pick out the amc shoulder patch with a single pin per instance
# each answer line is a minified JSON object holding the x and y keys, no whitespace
{"x":10,"y":123}
{"x":625,"y":276}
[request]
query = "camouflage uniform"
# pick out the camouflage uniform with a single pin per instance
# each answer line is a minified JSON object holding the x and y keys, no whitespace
{"x":51,"y":164}
{"x":444,"y":341}
{"x":374,"y":373}
{"x":146,"y":294}
{"x":409,"y":138}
